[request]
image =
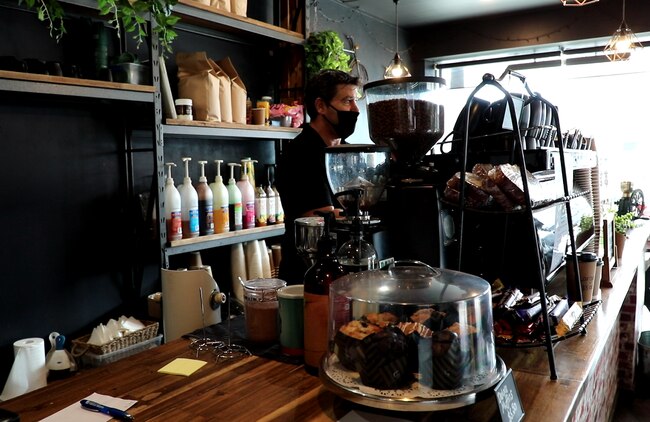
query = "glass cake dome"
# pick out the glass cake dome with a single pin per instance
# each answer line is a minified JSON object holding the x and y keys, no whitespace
{"x":411,"y":338}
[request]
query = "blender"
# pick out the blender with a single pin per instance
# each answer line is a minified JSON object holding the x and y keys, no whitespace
{"x":357,"y":174}
{"x":407,"y":115}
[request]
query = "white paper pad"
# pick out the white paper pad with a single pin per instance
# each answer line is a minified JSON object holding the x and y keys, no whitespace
{"x":75,"y":413}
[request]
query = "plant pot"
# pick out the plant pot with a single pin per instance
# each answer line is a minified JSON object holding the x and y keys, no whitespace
{"x":619,"y":240}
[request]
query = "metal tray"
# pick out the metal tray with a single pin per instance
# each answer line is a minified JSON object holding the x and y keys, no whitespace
{"x":347,"y":385}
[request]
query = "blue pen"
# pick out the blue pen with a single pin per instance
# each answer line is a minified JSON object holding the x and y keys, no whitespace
{"x":110,"y":411}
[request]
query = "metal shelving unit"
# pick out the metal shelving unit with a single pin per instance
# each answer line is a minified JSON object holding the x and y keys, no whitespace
{"x":518,"y":157}
{"x":212,"y":22}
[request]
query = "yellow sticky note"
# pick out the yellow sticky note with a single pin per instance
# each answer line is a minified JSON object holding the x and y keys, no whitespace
{"x":182,"y":366}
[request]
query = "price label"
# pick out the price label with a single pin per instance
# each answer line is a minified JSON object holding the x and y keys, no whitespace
{"x":508,"y":399}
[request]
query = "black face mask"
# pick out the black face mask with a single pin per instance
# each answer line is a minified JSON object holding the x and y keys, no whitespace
{"x":347,"y":122}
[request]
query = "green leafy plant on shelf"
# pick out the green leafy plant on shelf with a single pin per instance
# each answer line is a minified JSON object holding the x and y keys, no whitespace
{"x":325,"y":50}
{"x":123,"y":15}
{"x":624,"y":222}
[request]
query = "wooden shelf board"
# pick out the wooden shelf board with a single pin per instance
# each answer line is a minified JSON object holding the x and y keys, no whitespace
{"x":62,"y":80}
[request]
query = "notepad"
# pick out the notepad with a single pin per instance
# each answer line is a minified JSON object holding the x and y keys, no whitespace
{"x":182,"y":366}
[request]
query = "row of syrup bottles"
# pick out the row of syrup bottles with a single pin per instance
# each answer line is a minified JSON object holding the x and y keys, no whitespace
{"x":200,"y":210}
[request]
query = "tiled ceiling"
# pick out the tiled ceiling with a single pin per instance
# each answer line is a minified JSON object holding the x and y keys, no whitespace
{"x":428,"y":12}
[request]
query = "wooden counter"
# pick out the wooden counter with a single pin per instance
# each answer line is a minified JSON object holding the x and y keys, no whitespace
{"x":257,"y":388}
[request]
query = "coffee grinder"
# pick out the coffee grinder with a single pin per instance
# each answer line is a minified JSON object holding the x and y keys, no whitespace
{"x":357,"y":174}
{"x":407,"y":115}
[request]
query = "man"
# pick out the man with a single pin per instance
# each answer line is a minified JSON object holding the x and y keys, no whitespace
{"x":330,"y":100}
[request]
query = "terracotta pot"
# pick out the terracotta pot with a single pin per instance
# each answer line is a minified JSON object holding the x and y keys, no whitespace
{"x":620,"y":244}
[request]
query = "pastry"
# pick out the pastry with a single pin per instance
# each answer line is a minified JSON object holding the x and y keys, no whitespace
{"x":348,"y":337}
{"x":382,"y":359}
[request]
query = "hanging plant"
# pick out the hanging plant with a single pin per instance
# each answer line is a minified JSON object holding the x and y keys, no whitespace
{"x":325,"y":50}
{"x":127,"y":15}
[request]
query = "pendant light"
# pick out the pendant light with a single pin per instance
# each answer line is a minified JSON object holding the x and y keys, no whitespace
{"x":396,"y":69}
{"x":622,"y":43}
{"x":577,"y":2}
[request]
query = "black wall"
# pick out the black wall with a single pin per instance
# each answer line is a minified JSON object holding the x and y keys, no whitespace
{"x":78,"y":248}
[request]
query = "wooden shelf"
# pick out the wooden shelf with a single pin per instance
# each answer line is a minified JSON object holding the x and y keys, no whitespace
{"x":61,"y":85}
{"x":193,"y":12}
{"x":193,"y":128}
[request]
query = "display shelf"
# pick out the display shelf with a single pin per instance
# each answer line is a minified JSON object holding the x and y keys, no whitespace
{"x":518,"y":156}
{"x":223,"y":239}
{"x":201,"y":129}
{"x":74,"y":87}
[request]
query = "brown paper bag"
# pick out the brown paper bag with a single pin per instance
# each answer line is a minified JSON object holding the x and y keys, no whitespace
{"x":225,"y":102}
{"x":238,"y":7}
{"x":238,"y":91}
{"x":221,"y":4}
{"x":205,"y":2}
{"x":197,"y":80}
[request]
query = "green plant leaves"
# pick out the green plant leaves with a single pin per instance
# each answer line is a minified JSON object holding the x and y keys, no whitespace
{"x":325,"y":50}
{"x":129,"y":15}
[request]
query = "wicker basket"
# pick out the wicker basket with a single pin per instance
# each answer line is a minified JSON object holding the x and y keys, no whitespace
{"x":81,"y":346}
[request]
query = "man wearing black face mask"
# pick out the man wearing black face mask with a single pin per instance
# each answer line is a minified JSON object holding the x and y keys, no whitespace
{"x":330,"y":100}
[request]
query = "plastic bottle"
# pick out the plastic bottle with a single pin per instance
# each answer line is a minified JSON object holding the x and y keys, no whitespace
{"x":172,"y":207}
{"x":220,"y":202}
{"x":261,"y":216}
{"x":234,"y":201}
{"x":206,"y":214}
{"x":318,"y":278}
{"x":247,"y":197}
{"x":249,"y":110}
{"x":279,"y":211}
{"x":250,"y":170}
{"x":270,"y":197}
{"x":189,"y":204}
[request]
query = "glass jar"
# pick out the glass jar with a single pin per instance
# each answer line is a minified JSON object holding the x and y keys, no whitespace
{"x":184,"y":109}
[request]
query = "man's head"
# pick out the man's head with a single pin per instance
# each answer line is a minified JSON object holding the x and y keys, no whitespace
{"x":325,"y":85}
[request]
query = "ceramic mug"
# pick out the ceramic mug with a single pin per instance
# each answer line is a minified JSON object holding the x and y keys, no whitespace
{"x":291,"y":304}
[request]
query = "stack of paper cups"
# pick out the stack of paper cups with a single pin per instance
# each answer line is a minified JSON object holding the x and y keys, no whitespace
{"x":238,"y":270}
{"x":266,"y":263}
{"x":253,"y":260}
{"x":28,"y":371}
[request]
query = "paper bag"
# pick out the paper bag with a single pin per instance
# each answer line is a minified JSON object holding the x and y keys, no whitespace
{"x":238,"y":7}
{"x":221,"y":4}
{"x":205,"y":2}
{"x":225,"y":102}
{"x":238,"y":91}
{"x":197,"y":80}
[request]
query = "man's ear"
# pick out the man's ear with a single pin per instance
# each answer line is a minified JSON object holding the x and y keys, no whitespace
{"x":321,"y":105}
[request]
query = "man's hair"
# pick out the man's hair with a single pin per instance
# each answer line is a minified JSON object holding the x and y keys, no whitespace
{"x":324,"y":85}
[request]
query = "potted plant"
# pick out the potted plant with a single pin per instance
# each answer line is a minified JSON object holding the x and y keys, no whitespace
{"x":325,"y":50}
{"x":622,"y":224}
{"x":126,"y":15}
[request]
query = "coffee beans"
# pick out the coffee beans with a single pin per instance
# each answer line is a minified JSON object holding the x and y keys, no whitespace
{"x":409,"y":127}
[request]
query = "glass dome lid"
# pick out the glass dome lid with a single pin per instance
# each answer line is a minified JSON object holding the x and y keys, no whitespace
{"x":411,"y":284}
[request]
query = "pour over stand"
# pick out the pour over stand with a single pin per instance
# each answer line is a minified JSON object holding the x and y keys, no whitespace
{"x":222,"y":349}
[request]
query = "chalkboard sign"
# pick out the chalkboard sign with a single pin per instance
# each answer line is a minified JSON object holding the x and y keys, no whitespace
{"x":508,"y":399}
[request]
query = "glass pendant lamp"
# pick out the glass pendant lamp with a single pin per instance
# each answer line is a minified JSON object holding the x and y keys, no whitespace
{"x":396,"y":68}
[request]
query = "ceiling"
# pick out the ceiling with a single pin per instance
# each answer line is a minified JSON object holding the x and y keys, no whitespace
{"x":429,"y":12}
